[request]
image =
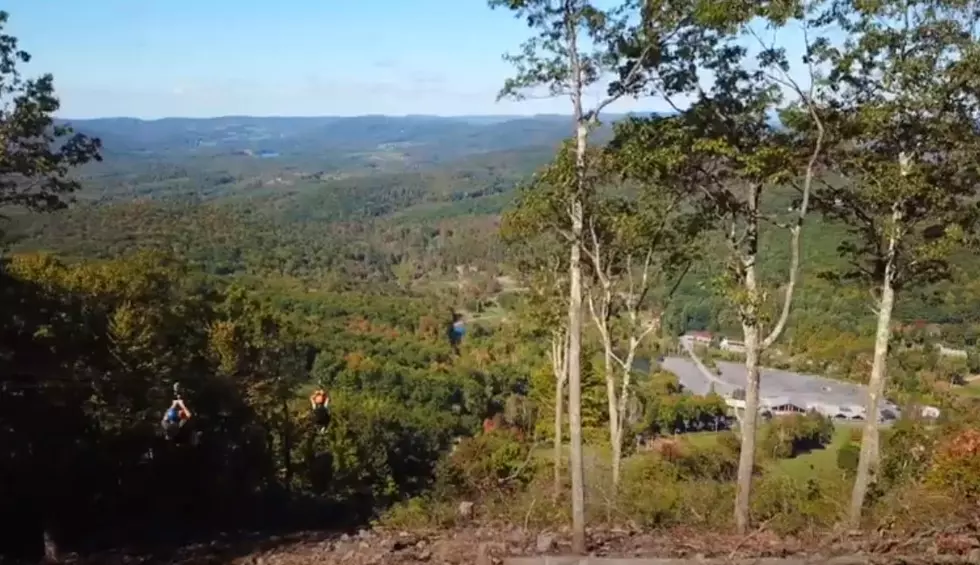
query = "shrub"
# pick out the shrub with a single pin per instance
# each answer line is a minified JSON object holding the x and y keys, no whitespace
{"x":956,"y":466}
{"x":489,"y":463}
{"x":649,"y":492}
{"x":716,"y":463}
{"x":730,"y":441}
{"x":790,"y":505}
{"x":907,"y":449}
{"x":788,"y":436}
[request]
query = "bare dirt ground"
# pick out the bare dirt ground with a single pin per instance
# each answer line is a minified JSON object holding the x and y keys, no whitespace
{"x":489,"y":546}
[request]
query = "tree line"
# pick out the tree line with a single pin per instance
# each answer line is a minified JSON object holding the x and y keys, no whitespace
{"x":607,"y":240}
{"x":878,"y":131}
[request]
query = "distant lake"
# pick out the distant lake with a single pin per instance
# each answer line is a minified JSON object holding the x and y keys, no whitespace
{"x":268,"y":154}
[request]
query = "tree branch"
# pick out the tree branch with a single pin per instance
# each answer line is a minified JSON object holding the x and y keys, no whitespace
{"x":808,"y":99}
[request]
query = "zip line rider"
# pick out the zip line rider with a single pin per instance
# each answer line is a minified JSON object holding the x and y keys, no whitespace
{"x":175,"y":417}
{"x":321,"y":403}
{"x":456,"y":332}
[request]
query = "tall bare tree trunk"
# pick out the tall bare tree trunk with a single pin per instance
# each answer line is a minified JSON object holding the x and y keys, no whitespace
{"x":52,"y":551}
{"x":575,"y":344}
{"x":559,"y":363}
{"x":749,"y":312}
{"x":612,"y":407}
{"x":559,"y":432}
{"x":748,"y":425}
{"x":617,"y":453}
{"x":868,"y":460}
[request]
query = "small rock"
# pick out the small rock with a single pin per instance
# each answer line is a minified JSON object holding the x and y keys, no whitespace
{"x":348,"y":556}
{"x":974,"y":557}
{"x":363,"y":534}
{"x":421,"y":544}
{"x":364,"y":545}
{"x":425,"y":555}
{"x":399,"y":545}
{"x":466,"y":509}
{"x":545,"y":543}
{"x":345,"y":537}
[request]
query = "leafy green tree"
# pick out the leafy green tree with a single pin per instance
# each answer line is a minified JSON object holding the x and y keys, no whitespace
{"x":38,"y":154}
{"x":724,"y":151}
{"x":540,"y":261}
{"x":904,"y":112}
{"x":638,"y":248}
{"x":567,"y":55}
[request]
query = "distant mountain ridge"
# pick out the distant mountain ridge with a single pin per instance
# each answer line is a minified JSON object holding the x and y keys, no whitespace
{"x":442,"y":137}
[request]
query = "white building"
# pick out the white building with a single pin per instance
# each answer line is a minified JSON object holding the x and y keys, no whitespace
{"x":700,"y":338}
{"x":732,"y":345}
{"x":951,"y":352}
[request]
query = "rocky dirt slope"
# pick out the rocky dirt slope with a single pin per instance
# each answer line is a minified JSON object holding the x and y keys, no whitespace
{"x":488,"y":546}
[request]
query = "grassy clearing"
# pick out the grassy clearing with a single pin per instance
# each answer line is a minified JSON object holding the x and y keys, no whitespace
{"x":817,"y":463}
{"x":971,"y":389}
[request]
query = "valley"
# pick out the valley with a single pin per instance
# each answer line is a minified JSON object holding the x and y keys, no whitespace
{"x":454,"y":339}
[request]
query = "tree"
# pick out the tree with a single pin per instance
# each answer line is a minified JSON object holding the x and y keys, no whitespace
{"x":568,"y":54}
{"x":539,"y":259}
{"x":256,"y":348}
{"x":638,"y":249}
{"x":38,"y":154}
{"x":904,"y":112}
{"x":724,"y":150}
{"x":646,"y":48}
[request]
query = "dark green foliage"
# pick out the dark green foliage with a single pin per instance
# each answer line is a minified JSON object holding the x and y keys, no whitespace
{"x":716,"y":463}
{"x":488,"y":465}
{"x":906,"y":451}
{"x":37,"y":153}
{"x":789,"y":436}
{"x":88,"y":358}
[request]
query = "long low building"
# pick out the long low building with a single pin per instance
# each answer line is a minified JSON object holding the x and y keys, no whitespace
{"x":781,"y":391}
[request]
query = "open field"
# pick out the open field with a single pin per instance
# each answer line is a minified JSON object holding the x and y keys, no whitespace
{"x":817,"y":463}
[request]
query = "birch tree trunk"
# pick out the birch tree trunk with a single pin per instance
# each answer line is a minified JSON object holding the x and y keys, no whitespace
{"x":559,"y":352}
{"x":624,"y":395}
{"x":612,"y":404}
{"x":753,"y":348}
{"x":575,"y":334}
{"x":868,"y":459}
{"x":748,"y":422}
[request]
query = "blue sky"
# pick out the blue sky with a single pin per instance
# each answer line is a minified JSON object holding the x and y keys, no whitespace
{"x":196,"y":58}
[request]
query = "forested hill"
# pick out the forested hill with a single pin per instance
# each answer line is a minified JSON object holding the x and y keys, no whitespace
{"x":221,"y":156}
{"x":371,"y":198}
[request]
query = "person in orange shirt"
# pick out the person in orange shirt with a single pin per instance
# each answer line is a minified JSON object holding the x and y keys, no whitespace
{"x":321,"y":402}
{"x":319,"y":399}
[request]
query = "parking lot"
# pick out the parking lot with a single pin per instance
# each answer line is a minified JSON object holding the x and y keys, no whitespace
{"x":828,"y":396}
